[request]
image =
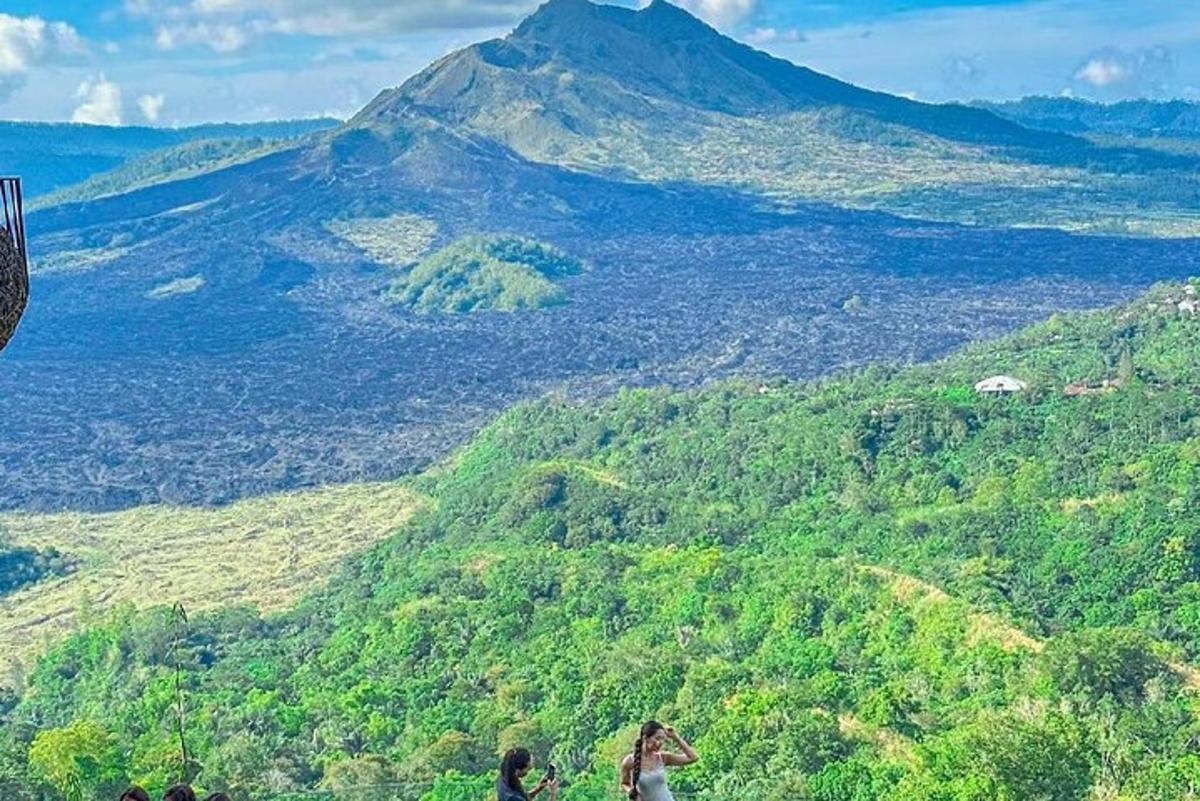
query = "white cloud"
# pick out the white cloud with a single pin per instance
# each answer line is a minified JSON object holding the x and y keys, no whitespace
{"x":181,"y":19}
{"x":762,"y":36}
{"x":1145,"y":72}
{"x":28,"y":41}
{"x":101,"y":102}
{"x":151,"y":106}
{"x":229,"y":25}
{"x":1101,"y":72}
{"x":221,"y":38}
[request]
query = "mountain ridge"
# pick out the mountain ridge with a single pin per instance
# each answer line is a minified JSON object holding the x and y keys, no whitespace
{"x":1164,"y":119}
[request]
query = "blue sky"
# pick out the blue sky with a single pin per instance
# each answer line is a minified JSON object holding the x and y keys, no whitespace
{"x":172,"y":62}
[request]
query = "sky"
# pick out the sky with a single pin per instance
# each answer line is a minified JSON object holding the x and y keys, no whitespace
{"x":181,"y":62}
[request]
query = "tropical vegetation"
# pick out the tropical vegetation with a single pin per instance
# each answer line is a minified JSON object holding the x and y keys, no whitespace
{"x":880,"y":586}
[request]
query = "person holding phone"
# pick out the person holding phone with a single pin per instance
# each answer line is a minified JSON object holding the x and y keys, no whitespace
{"x":644,"y":772}
{"x":514,"y":767}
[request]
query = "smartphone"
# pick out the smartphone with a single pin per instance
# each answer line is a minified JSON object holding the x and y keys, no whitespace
{"x":551,"y":772}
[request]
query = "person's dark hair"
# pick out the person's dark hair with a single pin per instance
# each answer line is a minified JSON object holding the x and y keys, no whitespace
{"x":514,"y":759}
{"x":135,"y":793}
{"x":180,"y":792}
{"x":218,"y":797}
{"x":649,"y":729}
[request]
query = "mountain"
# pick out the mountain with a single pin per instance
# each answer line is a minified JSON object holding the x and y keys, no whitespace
{"x":572,"y":53}
{"x":657,"y":95}
{"x":244,"y":343}
{"x":56,"y":155}
{"x":1176,"y":119}
{"x":882,"y":586}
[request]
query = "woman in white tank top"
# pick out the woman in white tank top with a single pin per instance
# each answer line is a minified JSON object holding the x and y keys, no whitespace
{"x":644,"y":772}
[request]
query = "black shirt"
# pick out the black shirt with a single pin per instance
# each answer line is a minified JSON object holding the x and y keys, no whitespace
{"x":506,"y":793}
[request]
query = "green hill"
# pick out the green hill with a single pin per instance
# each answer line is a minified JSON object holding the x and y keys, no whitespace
{"x":503,"y":273}
{"x":53,"y":155}
{"x":883,"y":586}
{"x":175,"y":163}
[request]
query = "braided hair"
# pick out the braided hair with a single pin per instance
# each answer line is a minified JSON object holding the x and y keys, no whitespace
{"x":649,"y":729}
{"x":514,"y":760}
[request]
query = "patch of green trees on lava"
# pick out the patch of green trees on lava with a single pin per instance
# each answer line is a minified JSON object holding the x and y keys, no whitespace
{"x":476,"y":273}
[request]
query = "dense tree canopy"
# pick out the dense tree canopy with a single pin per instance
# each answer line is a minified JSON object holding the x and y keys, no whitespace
{"x":881,"y":586}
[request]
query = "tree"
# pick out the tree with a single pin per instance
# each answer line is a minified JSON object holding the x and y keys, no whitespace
{"x":1125,"y":365}
{"x":1100,"y":663}
{"x":80,"y":761}
{"x":1007,"y":757}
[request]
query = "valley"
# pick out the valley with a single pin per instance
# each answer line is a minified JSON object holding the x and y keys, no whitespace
{"x":888,"y":584}
{"x":606,"y":370}
{"x":245,"y":343}
{"x":299,"y":377}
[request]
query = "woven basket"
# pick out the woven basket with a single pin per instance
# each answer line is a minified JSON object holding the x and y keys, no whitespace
{"x":14,"y":287}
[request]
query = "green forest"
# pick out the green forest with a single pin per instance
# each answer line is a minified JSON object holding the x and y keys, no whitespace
{"x":882,"y":585}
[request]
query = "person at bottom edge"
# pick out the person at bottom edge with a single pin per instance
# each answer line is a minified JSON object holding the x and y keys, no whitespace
{"x":517,"y":764}
{"x":644,"y":772}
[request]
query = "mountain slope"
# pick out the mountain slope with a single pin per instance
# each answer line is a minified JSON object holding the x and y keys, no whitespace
{"x":658,"y":95}
{"x":243,"y":307}
{"x":162,"y":166}
{"x":883,"y":586}
{"x":286,"y":369}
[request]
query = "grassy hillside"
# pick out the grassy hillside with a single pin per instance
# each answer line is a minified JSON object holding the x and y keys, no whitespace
{"x":478,"y":273}
{"x":884,"y":586}
{"x":265,"y":553}
{"x":162,"y":166}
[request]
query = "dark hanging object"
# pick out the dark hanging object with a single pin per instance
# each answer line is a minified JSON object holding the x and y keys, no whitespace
{"x":14,"y":259}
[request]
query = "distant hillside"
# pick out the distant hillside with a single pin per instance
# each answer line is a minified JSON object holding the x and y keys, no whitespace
{"x":885,"y":586}
{"x":1176,"y":119}
{"x":50,"y":156}
{"x":175,"y":163}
